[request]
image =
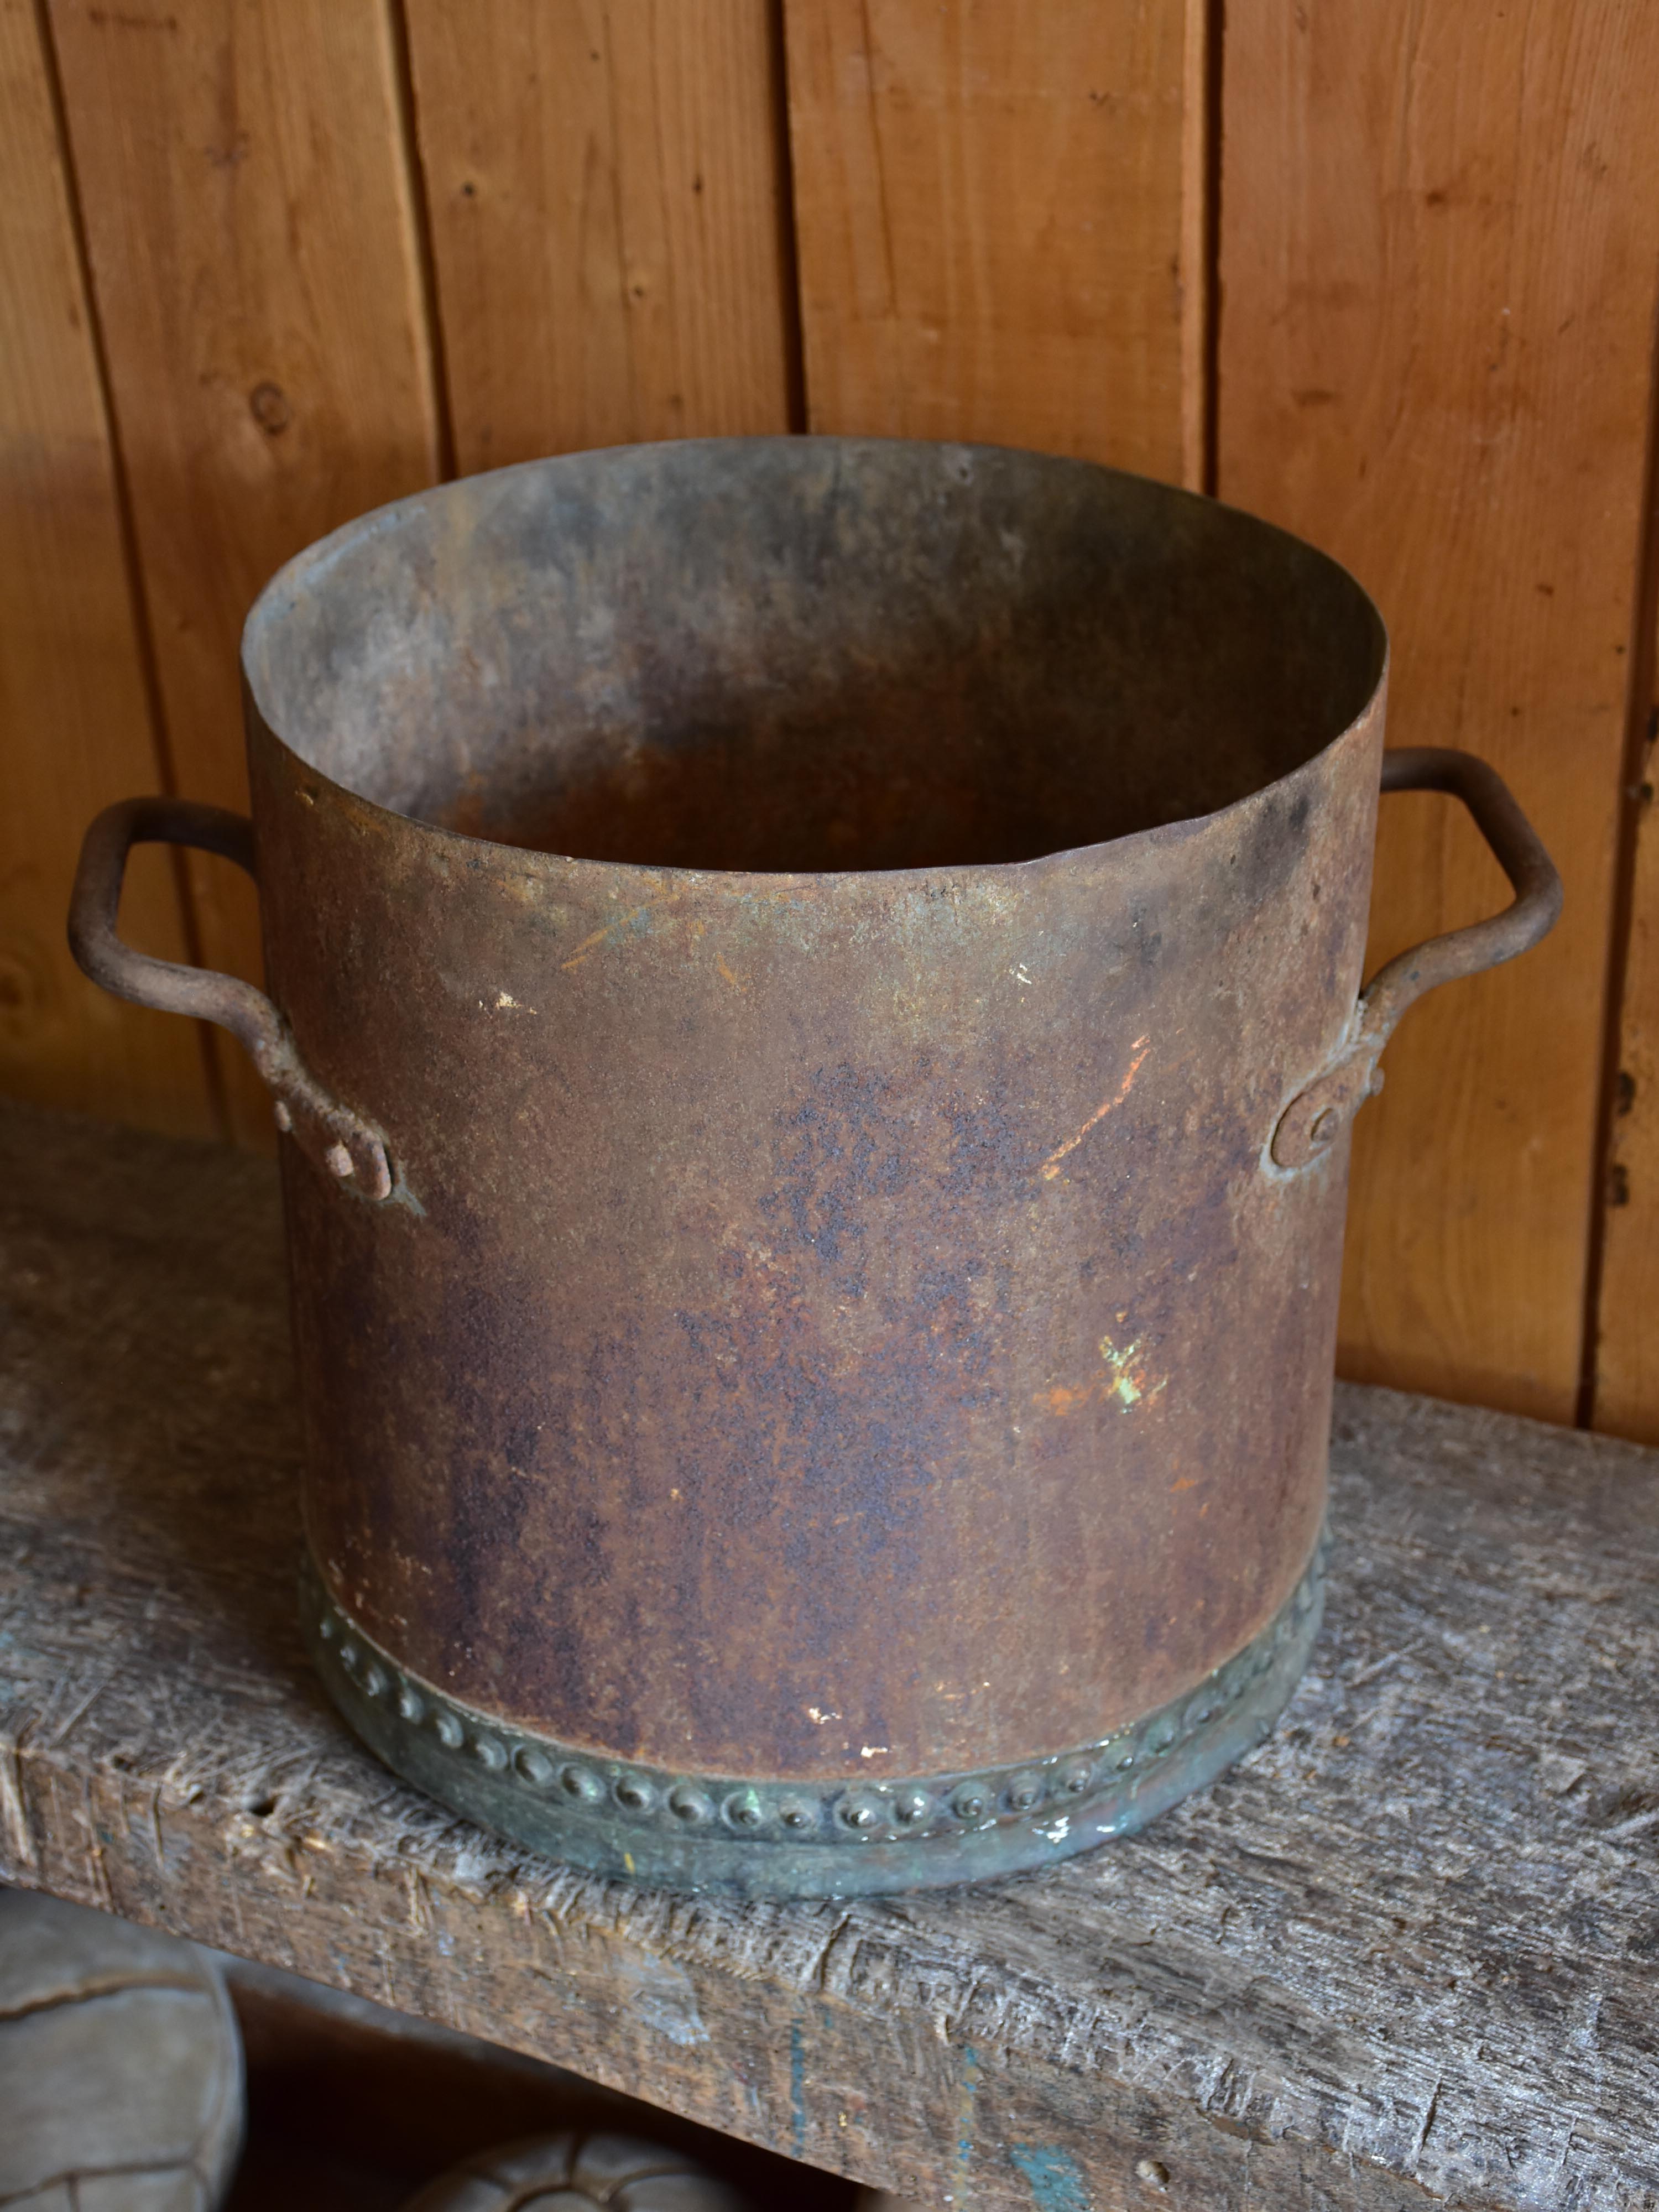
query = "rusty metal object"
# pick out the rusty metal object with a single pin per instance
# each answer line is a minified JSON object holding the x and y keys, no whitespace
{"x":331,"y":1134}
{"x":679,"y":1830}
{"x":852,"y":947}
{"x":1317,"y":1117}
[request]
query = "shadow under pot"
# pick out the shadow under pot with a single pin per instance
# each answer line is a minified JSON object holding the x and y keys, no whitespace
{"x":816,"y":1009}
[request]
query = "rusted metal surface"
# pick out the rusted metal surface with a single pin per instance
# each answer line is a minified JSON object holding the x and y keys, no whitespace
{"x":338,"y":1140}
{"x":1317,"y":1117}
{"x":829,"y":931}
{"x":849,"y":1838}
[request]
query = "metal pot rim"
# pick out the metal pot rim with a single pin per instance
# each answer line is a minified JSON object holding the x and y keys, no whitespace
{"x":275,"y":601}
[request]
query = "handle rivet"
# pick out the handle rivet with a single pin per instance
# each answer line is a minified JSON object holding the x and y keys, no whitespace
{"x":284,"y":1119}
{"x":1324,"y":1126}
{"x":339,"y":1161}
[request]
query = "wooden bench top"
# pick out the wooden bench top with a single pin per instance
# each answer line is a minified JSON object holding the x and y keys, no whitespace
{"x":1407,"y":1953}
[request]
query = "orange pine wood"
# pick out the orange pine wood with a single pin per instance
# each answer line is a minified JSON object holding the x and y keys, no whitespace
{"x":248,"y":209}
{"x":1439,"y":236}
{"x":76,"y":723}
{"x":605,"y":180}
{"x":1626,"y":1402}
{"x":1000,"y":214}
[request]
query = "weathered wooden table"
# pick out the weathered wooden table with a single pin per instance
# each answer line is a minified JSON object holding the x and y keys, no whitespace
{"x":1407,"y":1955}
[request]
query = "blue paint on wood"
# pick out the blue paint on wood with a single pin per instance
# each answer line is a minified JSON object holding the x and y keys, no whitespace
{"x":1053,"y":2179}
{"x":965,"y":2119}
{"x":798,"y":2087}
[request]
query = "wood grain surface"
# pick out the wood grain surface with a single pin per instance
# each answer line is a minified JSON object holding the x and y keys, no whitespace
{"x":607,"y":220}
{"x":78,"y":732}
{"x":351,"y":2108}
{"x":1624,"y":1400}
{"x":999,"y":217}
{"x":1439,"y":238}
{"x":1402,"y":1956}
{"x":249,"y":218}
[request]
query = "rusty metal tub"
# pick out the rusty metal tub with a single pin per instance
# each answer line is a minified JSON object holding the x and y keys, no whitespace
{"x":820,"y":1011}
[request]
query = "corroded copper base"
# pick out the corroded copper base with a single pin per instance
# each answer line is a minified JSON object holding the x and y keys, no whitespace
{"x":698,"y":1831}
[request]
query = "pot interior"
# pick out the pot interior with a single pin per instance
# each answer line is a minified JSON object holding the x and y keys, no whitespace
{"x":807,"y":654}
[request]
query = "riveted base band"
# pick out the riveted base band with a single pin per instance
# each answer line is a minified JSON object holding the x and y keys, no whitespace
{"x":700,"y":1832}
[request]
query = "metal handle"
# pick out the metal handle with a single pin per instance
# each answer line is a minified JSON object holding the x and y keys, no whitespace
{"x":1317,"y":1116}
{"x":337,"y":1139}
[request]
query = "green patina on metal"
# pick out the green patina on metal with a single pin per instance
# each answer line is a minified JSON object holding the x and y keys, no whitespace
{"x":789,"y":1839}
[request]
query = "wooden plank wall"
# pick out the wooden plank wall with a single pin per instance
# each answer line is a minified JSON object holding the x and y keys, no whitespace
{"x":1624,"y":1375}
{"x":999,"y":215}
{"x":606,"y":188}
{"x":77,"y":726}
{"x":1387,"y":274}
{"x":1439,"y":238}
{"x":246,"y":188}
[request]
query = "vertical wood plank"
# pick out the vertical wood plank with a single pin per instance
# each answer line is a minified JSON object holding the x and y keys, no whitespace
{"x":999,"y":222}
{"x":73,"y":704}
{"x":1439,"y":235}
{"x":604,"y":183}
{"x":248,"y":210}
{"x":1626,"y":1397}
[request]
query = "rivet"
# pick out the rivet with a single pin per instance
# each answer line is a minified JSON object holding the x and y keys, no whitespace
{"x":338,"y":1160}
{"x":635,"y":1793}
{"x":376,"y":1681}
{"x":448,"y":1730}
{"x":349,"y":1656}
{"x":1160,"y":1736}
{"x":968,"y":1803}
{"x":489,"y":1752}
{"x":283,"y":1119}
{"x":576,"y":1782}
{"x":743,"y":1809}
{"x":327,"y":1628}
{"x":537,"y":1768}
{"x":1024,"y":1791}
{"x":860,"y":1812}
{"x":689,"y":1803}
{"x":796,"y":1813}
{"x":911,"y":1806}
{"x":410,"y":1703}
{"x":1075,"y":1778}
